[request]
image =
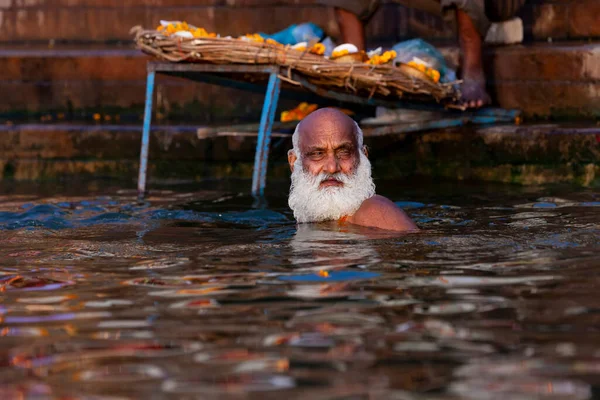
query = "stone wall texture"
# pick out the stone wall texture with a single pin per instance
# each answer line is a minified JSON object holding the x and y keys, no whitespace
{"x":110,"y":20}
{"x":512,"y":154}
{"x":65,"y":55}
{"x":543,"y":80}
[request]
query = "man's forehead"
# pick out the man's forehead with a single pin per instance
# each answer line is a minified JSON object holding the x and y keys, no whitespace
{"x":330,"y":133}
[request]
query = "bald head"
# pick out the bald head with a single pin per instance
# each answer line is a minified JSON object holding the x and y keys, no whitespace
{"x":326,"y":121}
{"x":327,"y":141}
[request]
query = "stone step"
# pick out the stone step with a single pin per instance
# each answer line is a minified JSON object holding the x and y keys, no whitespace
{"x":527,"y":154}
{"x":542,"y":80}
{"x":559,"y":81}
{"x":110,"y":20}
{"x":52,"y":151}
{"x":107,"y":80}
{"x":561,"y":19}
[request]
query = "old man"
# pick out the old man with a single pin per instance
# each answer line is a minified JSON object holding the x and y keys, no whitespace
{"x":331,"y":176}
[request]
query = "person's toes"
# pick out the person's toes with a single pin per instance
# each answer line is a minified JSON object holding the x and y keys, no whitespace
{"x":473,"y":94}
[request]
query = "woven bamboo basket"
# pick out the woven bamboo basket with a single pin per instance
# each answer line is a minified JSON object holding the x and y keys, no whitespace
{"x":382,"y":81}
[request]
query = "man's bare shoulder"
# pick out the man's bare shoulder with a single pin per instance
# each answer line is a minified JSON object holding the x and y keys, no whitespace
{"x":381,"y":212}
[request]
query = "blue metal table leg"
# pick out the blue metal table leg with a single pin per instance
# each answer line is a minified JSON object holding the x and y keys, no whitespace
{"x":146,"y":135}
{"x":259,"y":176}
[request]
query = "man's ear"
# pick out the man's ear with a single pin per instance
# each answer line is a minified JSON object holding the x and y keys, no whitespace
{"x":365,"y":150}
{"x":292,"y":159}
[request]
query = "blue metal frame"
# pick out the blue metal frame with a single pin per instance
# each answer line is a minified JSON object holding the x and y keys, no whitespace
{"x":261,"y":157}
{"x":220,"y":74}
{"x":259,"y":176}
{"x":143,"y":171}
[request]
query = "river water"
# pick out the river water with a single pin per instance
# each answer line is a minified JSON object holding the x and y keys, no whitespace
{"x":209,"y":293}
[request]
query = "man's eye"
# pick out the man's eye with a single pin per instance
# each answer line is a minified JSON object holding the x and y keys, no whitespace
{"x":316,"y":154}
{"x":344,"y":152}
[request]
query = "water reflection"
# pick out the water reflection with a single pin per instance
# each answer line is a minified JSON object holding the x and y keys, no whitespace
{"x":332,"y":245}
{"x":201,"y":295}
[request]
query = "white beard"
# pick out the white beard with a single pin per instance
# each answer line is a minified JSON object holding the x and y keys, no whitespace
{"x":311,"y":203}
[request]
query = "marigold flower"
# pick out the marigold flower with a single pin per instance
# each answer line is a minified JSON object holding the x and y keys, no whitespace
{"x":298,"y":113}
{"x":254,"y":37}
{"x":340,"y":53}
{"x":434,"y":75}
{"x":383,"y":58}
{"x":431,"y":73}
{"x":200,"y":32}
{"x":318,"y":48}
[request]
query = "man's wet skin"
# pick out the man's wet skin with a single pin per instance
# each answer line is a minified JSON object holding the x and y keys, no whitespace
{"x":330,"y":151}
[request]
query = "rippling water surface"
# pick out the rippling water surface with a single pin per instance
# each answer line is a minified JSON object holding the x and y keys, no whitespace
{"x":212,"y":294}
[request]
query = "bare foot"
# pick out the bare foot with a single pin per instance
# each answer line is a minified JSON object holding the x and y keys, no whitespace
{"x":473,"y":93}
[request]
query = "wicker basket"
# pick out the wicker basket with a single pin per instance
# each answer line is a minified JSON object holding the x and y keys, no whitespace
{"x":383,"y":81}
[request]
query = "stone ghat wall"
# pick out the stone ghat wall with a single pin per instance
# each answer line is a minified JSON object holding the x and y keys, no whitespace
{"x":558,"y":81}
{"x":62,"y":57}
{"x":110,"y":20}
{"x":526,"y":155}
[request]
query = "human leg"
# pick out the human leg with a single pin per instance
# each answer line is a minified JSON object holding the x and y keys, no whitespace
{"x":352,"y":30}
{"x":470,"y":41}
{"x":474,"y":18}
{"x":351,"y":17}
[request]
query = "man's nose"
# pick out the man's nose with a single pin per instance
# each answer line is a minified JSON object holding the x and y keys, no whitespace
{"x":332,"y":164}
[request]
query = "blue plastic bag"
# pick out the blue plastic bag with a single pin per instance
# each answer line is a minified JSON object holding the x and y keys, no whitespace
{"x":407,"y":50}
{"x":294,"y":34}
